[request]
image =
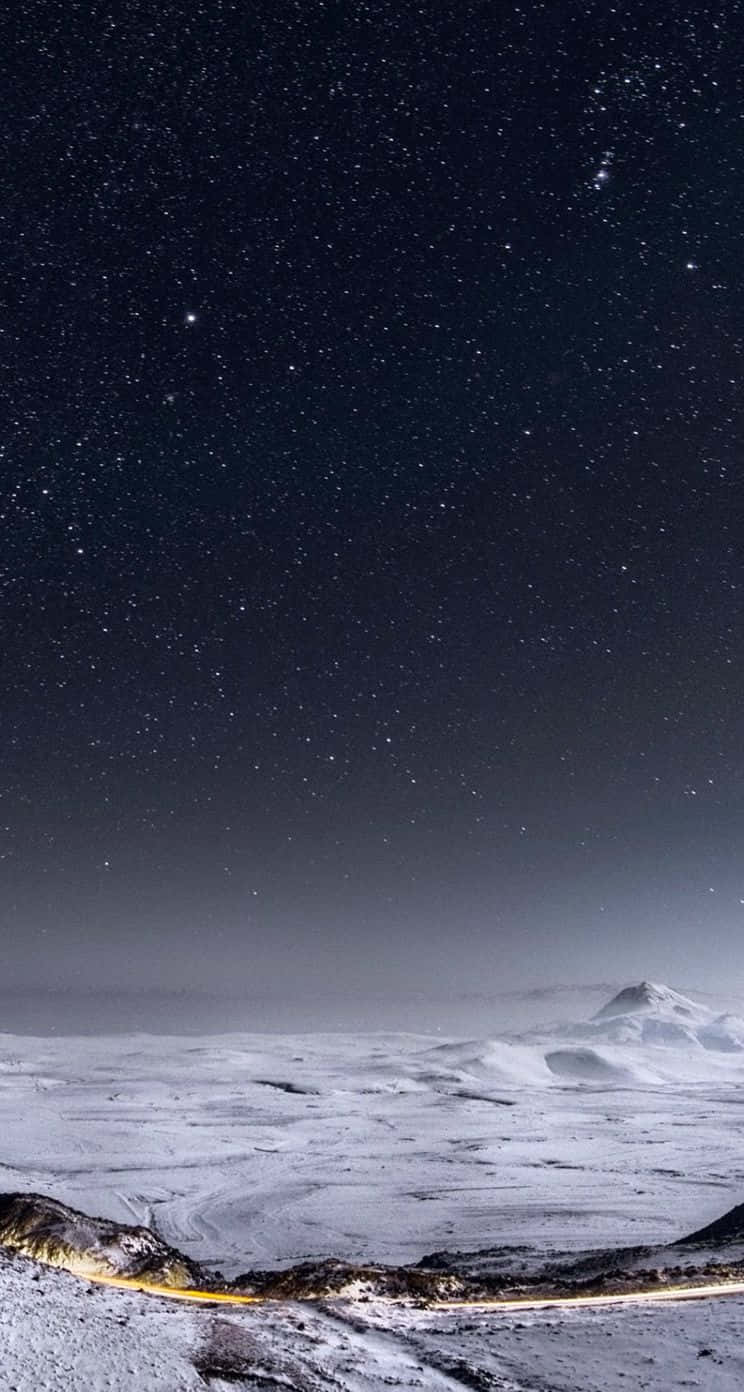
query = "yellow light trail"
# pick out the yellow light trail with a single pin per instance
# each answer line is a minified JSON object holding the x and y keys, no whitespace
{"x":510,"y":1306}
{"x":176,"y":1292}
{"x":643,"y":1297}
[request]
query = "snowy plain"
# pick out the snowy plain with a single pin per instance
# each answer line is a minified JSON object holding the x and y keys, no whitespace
{"x":613,"y":1129}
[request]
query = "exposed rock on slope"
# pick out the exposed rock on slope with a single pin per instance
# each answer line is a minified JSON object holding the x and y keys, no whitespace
{"x":729,"y":1228}
{"x":308,"y":1280}
{"x":51,"y":1232}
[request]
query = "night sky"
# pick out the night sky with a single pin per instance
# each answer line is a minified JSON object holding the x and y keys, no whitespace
{"x":371,"y":567}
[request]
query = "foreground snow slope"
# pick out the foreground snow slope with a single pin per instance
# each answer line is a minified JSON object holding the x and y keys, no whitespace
{"x":58,"y":1334}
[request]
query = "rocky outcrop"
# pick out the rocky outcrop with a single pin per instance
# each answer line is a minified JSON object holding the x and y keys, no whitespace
{"x":51,"y":1232}
{"x":729,"y":1228}
{"x":329,"y":1277}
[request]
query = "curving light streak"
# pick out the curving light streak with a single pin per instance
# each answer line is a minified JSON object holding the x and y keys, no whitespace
{"x":176,"y":1292}
{"x":645,"y":1297}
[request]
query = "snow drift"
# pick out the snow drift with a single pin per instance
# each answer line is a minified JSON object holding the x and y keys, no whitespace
{"x":588,"y":1066}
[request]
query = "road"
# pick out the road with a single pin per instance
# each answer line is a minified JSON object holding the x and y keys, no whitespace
{"x":645,"y":1297}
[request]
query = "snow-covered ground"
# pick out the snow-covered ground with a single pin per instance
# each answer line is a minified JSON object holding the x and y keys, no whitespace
{"x":251,"y":1150}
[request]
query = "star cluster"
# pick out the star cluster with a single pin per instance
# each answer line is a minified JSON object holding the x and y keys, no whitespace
{"x":371,"y":565}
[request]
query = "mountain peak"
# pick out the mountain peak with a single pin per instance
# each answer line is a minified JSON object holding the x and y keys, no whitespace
{"x":648,"y":996}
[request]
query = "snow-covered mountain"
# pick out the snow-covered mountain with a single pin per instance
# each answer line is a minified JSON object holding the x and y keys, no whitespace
{"x":652,"y":1014}
{"x":647,"y":1033}
{"x":647,"y":998}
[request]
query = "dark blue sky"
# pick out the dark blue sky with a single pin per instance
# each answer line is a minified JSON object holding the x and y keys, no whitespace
{"x":371,"y":496}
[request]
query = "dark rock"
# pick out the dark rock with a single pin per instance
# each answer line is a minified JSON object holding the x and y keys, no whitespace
{"x":729,"y":1228}
{"x":49,"y":1231}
